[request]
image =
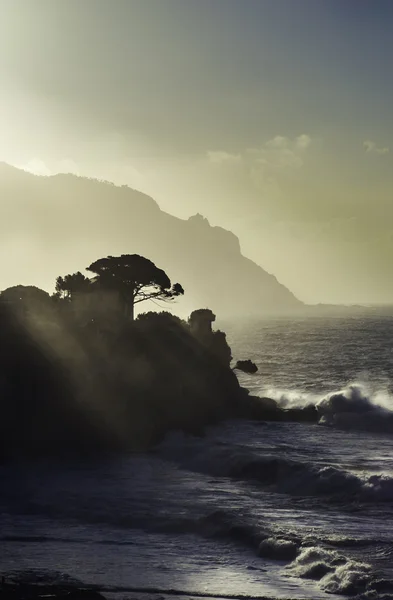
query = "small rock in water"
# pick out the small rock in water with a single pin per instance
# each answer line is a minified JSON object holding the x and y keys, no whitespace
{"x":247,"y":366}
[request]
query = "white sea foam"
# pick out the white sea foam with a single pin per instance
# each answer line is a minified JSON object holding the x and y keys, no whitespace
{"x":336,"y":573}
{"x":358,"y":406}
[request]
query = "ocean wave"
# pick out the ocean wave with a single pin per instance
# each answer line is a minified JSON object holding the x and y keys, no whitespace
{"x":345,"y":541}
{"x":331,"y":481}
{"x":43,"y":577}
{"x":282,"y":474}
{"x":302,"y":558}
{"x":338,"y":574}
{"x":335,"y":574}
{"x":278,"y":548}
{"x":48,"y":539}
{"x":354,"y":407}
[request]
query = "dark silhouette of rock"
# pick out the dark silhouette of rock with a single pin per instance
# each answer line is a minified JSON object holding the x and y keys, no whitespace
{"x":72,"y":389}
{"x":200,"y":322}
{"x":67,"y":388}
{"x":308,"y":414}
{"x":260,"y":409}
{"x":247,"y":366}
{"x":31,"y":591}
{"x":75,"y":379}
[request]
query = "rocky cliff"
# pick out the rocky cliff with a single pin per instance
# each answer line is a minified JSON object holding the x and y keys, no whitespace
{"x":60,"y":224}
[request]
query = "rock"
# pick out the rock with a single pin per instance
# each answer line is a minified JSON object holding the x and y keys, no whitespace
{"x":308,"y":414}
{"x":28,"y":591}
{"x":260,"y":409}
{"x":268,"y":403}
{"x":200,"y":323}
{"x":247,"y":366}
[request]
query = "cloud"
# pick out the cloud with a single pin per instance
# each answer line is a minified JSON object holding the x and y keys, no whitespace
{"x":278,"y":142}
{"x":219,"y":157}
{"x":372,"y":148}
{"x":282,"y":158}
{"x":262,"y":169}
{"x":303,"y":141}
{"x":279,"y":152}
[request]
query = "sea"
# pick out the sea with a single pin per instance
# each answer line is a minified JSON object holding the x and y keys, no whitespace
{"x":253,"y":509}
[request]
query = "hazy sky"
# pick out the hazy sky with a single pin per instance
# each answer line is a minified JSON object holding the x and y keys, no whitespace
{"x":271,"y":117}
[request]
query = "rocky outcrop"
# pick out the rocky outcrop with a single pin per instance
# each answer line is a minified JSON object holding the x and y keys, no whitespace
{"x":67,"y":388}
{"x":72,"y":389}
{"x":215,"y":342}
{"x":30,"y":591}
{"x":247,"y":366}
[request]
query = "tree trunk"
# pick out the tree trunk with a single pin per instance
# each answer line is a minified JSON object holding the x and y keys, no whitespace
{"x":131,"y":311}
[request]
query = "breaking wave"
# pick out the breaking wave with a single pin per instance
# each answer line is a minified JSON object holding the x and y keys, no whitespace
{"x":355,"y":407}
{"x":284,"y":475}
{"x":338,"y":574}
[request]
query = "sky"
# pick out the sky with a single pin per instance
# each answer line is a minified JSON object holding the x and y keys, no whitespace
{"x":273,"y":118}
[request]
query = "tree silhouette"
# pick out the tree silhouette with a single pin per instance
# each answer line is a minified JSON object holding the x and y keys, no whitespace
{"x":25,"y":297}
{"x":68,"y":286}
{"x":135,"y":279}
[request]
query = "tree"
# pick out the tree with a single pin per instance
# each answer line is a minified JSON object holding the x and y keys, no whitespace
{"x":68,"y":286}
{"x":163,"y":318}
{"x":25,"y":298}
{"x":27,"y":293}
{"x":135,"y":279}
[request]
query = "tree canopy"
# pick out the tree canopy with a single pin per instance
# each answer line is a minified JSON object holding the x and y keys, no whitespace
{"x":69,"y":285}
{"x":135,"y":278}
{"x":26,"y":295}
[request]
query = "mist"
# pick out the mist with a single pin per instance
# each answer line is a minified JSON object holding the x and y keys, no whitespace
{"x":220,"y":110}
{"x":196,"y":299}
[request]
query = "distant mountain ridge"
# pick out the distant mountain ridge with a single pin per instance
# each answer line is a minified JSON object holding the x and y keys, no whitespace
{"x":60,"y":224}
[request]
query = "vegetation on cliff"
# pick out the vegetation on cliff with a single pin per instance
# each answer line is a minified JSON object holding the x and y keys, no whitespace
{"x":77,"y":373}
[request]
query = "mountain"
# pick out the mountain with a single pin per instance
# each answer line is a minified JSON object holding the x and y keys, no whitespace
{"x":55,"y":225}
